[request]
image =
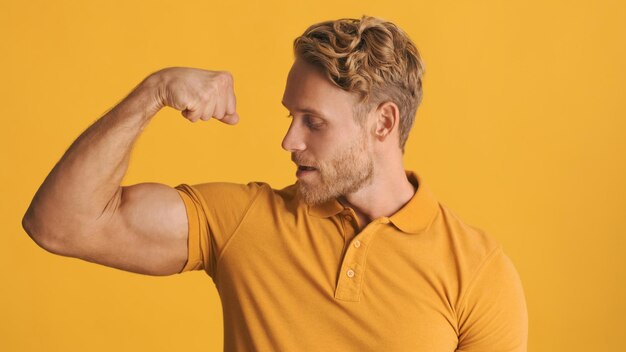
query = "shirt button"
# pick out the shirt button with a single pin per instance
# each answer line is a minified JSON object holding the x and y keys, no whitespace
{"x":357,"y":243}
{"x":348,"y":218}
{"x":350,"y":273}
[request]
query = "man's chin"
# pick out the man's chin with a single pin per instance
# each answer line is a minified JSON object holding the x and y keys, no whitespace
{"x":312,"y":196}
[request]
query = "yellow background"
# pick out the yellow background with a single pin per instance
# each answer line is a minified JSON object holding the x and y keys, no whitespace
{"x":521,"y":132}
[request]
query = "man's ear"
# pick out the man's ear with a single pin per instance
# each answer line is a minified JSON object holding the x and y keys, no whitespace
{"x":387,"y":119}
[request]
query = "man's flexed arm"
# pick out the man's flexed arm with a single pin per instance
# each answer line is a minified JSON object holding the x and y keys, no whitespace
{"x":81,"y":210}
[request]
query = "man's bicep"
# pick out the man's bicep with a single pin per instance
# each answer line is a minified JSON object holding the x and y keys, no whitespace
{"x":142,"y":230}
{"x":493,"y":314}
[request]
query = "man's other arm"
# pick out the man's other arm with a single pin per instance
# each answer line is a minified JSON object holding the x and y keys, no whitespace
{"x":493,"y":314}
{"x":82,"y":211}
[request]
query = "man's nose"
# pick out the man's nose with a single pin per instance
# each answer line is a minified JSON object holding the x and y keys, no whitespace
{"x":293,"y":140}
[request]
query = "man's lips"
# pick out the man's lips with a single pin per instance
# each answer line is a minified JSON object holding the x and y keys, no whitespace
{"x":306,"y":168}
{"x":303,"y":165}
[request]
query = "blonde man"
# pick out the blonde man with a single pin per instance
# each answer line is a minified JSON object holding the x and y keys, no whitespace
{"x":357,"y":255}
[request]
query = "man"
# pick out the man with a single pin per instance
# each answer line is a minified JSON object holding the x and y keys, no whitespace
{"x":356,"y":256}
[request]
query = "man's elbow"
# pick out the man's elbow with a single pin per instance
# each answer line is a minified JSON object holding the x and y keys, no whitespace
{"x":42,"y":235}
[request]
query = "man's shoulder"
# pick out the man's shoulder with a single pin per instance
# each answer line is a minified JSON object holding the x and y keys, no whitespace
{"x":233,"y":190}
{"x":471,"y":245}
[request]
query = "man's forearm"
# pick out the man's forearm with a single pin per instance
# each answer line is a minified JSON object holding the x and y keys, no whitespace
{"x":85,"y":183}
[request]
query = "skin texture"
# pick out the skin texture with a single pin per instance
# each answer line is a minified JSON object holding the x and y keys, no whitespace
{"x":82,"y":211}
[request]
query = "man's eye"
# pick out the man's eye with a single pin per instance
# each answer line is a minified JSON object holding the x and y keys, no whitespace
{"x":312,"y":124}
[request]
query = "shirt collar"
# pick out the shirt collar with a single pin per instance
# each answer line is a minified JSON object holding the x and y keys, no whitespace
{"x":327,"y":209}
{"x":413,"y":217}
{"x":421,"y":209}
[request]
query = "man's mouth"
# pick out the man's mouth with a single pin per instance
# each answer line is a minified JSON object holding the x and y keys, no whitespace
{"x":305,"y":168}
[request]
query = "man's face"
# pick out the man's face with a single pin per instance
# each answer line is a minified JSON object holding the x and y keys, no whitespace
{"x":333,"y":153}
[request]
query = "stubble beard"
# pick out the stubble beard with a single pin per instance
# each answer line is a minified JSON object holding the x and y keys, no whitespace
{"x":346,"y":172}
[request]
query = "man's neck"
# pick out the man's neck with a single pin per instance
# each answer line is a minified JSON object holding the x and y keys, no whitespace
{"x":388,"y":192}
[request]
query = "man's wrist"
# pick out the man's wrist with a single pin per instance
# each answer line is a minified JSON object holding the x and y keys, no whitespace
{"x":150,"y":94}
{"x":141,"y":104}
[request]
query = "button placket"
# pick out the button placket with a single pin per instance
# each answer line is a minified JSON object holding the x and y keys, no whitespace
{"x":350,"y":218}
{"x":353,"y":267}
{"x":347,"y":224}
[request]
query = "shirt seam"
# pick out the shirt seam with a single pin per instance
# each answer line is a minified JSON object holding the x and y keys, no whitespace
{"x":470,"y":286}
{"x":235,"y":231}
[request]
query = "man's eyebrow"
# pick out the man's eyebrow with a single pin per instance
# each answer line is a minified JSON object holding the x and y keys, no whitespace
{"x":306,"y":110}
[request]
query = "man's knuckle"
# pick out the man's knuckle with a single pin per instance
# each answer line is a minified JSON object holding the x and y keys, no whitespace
{"x":210,"y":91}
{"x":224,"y":78}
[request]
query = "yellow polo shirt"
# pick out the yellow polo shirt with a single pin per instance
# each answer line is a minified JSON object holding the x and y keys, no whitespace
{"x":293,"y":277}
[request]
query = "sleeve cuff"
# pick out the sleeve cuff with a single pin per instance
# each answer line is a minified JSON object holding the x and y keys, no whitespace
{"x":194,"y":253}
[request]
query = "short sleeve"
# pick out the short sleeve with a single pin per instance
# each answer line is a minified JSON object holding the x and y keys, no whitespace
{"x":214,"y":211}
{"x":492,"y":313}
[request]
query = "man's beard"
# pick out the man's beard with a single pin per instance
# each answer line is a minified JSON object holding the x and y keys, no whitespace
{"x":346,"y":172}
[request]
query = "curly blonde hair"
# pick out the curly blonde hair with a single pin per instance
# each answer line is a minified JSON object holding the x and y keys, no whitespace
{"x":371,"y":57}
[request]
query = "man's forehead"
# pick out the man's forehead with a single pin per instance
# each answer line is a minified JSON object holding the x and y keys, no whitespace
{"x":309,"y":90}
{"x":304,"y":78}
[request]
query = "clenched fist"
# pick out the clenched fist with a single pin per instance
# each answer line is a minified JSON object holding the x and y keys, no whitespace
{"x":198,"y":94}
